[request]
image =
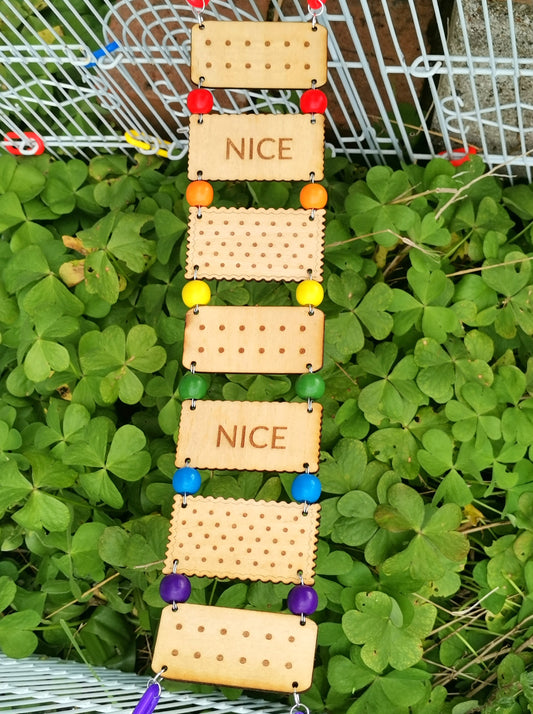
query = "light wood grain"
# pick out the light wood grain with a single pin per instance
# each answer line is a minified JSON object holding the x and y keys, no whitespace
{"x":256,"y":147}
{"x":266,"y":55}
{"x":237,"y":648}
{"x":254,"y":340}
{"x":250,"y":436}
{"x":255,"y":244}
{"x":244,"y":539}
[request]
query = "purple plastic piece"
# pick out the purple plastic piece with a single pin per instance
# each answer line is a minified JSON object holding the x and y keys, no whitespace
{"x":302,"y":600}
{"x":175,"y":588}
{"x":149,"y":700}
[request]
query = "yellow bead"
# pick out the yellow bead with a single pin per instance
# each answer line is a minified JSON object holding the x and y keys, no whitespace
{"x":309,"y":292}
{"x":196,"y":293}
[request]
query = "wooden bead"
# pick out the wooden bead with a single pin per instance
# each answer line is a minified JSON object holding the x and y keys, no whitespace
{"x":309,"y":292}
{"x":313,"y":101}
{"x":313,"y":195}
{"x":200,"y":101}
{"x":196,"y":292}
{"x":199,"y":193}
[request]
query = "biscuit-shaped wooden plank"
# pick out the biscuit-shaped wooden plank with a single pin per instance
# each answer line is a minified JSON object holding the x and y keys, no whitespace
{"x":255,"y":244}
{"x":249,"y":540}
{"x":237,"y":648}
{"x":256,"y":147}
{"x":249,"y":436}
{"x":255,"y":340}
{"x":264,"y":55}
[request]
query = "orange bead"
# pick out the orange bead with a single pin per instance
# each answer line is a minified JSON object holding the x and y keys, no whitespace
{"x":199,"y":193}
{"x":313,"y":195}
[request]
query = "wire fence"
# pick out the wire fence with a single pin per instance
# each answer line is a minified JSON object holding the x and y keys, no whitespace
{"x":56,"y":687}
{"x":408,"y":79}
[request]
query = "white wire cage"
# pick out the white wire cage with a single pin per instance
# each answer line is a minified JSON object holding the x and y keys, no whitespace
{"x":408,"y":79}
{"x":57,"y":687}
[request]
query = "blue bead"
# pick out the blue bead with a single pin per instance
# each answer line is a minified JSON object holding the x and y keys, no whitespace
{"x":306,"y":487}
{"x":186,"y":480}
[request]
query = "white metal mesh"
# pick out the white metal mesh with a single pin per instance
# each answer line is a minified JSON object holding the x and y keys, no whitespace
{"x":57,"y":687}
{"x":464,"y":69}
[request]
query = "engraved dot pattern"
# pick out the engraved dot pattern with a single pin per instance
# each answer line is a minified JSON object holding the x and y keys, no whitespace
{"x":259,"y":248}
{"x":284,"y":541}
{"x":238,"y":347}
{"x":243,"y":648}
{"x":274,"y":55}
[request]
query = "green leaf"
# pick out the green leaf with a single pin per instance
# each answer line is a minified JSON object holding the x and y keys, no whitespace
{"x":11,"y":213}
{"x":8,"y":590}
{"x":126,"y":458}
{"x":126,"y":243}
{"x":404,"y":512}
{"x":43,"y":510}
{"x":101,"y":277}
{"x":86,"y":561}
{"x":346,"y":676}
{"x":14,"y":486}
{"x":16,"y":637}
{"x":43,"y":358}
{"x":344,"y":471}
{"x":356,"y":525}
{"x":384,"y":642}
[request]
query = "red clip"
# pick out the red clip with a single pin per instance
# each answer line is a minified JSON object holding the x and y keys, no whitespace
{"x":33,"y":138}
{"x":459,"y":156}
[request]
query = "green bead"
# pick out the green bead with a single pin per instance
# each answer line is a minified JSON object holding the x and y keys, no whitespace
{"x":192,"y":386}
{"x":310,"y":386}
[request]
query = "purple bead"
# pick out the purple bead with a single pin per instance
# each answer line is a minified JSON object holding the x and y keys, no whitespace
{"x":302,"y":600}
{"x":148,"y":700}
{"x":175,"y":588}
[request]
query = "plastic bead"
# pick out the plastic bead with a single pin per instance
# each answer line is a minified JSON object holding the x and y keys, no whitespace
{"x":200,"y":101}
{"x":309,"y":292}
{"x":313,"y":195}
{"x":316,"y":4}
{"x":192,"y":386}
{"x":199,"y":193}
{"x":302,"y":600}
{"x":196,"y":292}
{"x":186,"y":480}
{"x":198,"y":4}
{"x":306,"y":488}
{"x":313,"y":101}
{"x":310,"y":386}
{"x":149,"y":700}
{"x":175,"y":588}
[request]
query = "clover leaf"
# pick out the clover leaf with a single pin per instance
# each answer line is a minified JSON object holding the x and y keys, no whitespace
{"x":386,"y":639}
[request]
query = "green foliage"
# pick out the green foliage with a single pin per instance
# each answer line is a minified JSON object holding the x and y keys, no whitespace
{"x":424,"y":560}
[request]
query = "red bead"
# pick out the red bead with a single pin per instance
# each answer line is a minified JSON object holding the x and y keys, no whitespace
{"x":200,"y":101}
{"x":316,"y":4}
{"x":313,"y":101}
{"x":198,"y":4}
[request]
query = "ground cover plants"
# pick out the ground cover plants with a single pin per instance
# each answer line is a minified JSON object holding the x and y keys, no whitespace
{"x":425,"y":574}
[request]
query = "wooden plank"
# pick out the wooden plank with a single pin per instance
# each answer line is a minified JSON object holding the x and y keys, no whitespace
{"x":265,"y":55}
{"x":255,"y":244}
{"x":245,"y":539}
{"x":249,"y":436}
{"x":256,"y":147}
{"x":253,"y":340}
{"x":237,"y":648}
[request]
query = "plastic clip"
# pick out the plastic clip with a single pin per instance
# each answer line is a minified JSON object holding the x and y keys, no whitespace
{"x":102,"y":52}
{"x":26,"y":144}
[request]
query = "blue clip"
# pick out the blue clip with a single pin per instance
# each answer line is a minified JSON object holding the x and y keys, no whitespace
{"x":111,"y":47}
